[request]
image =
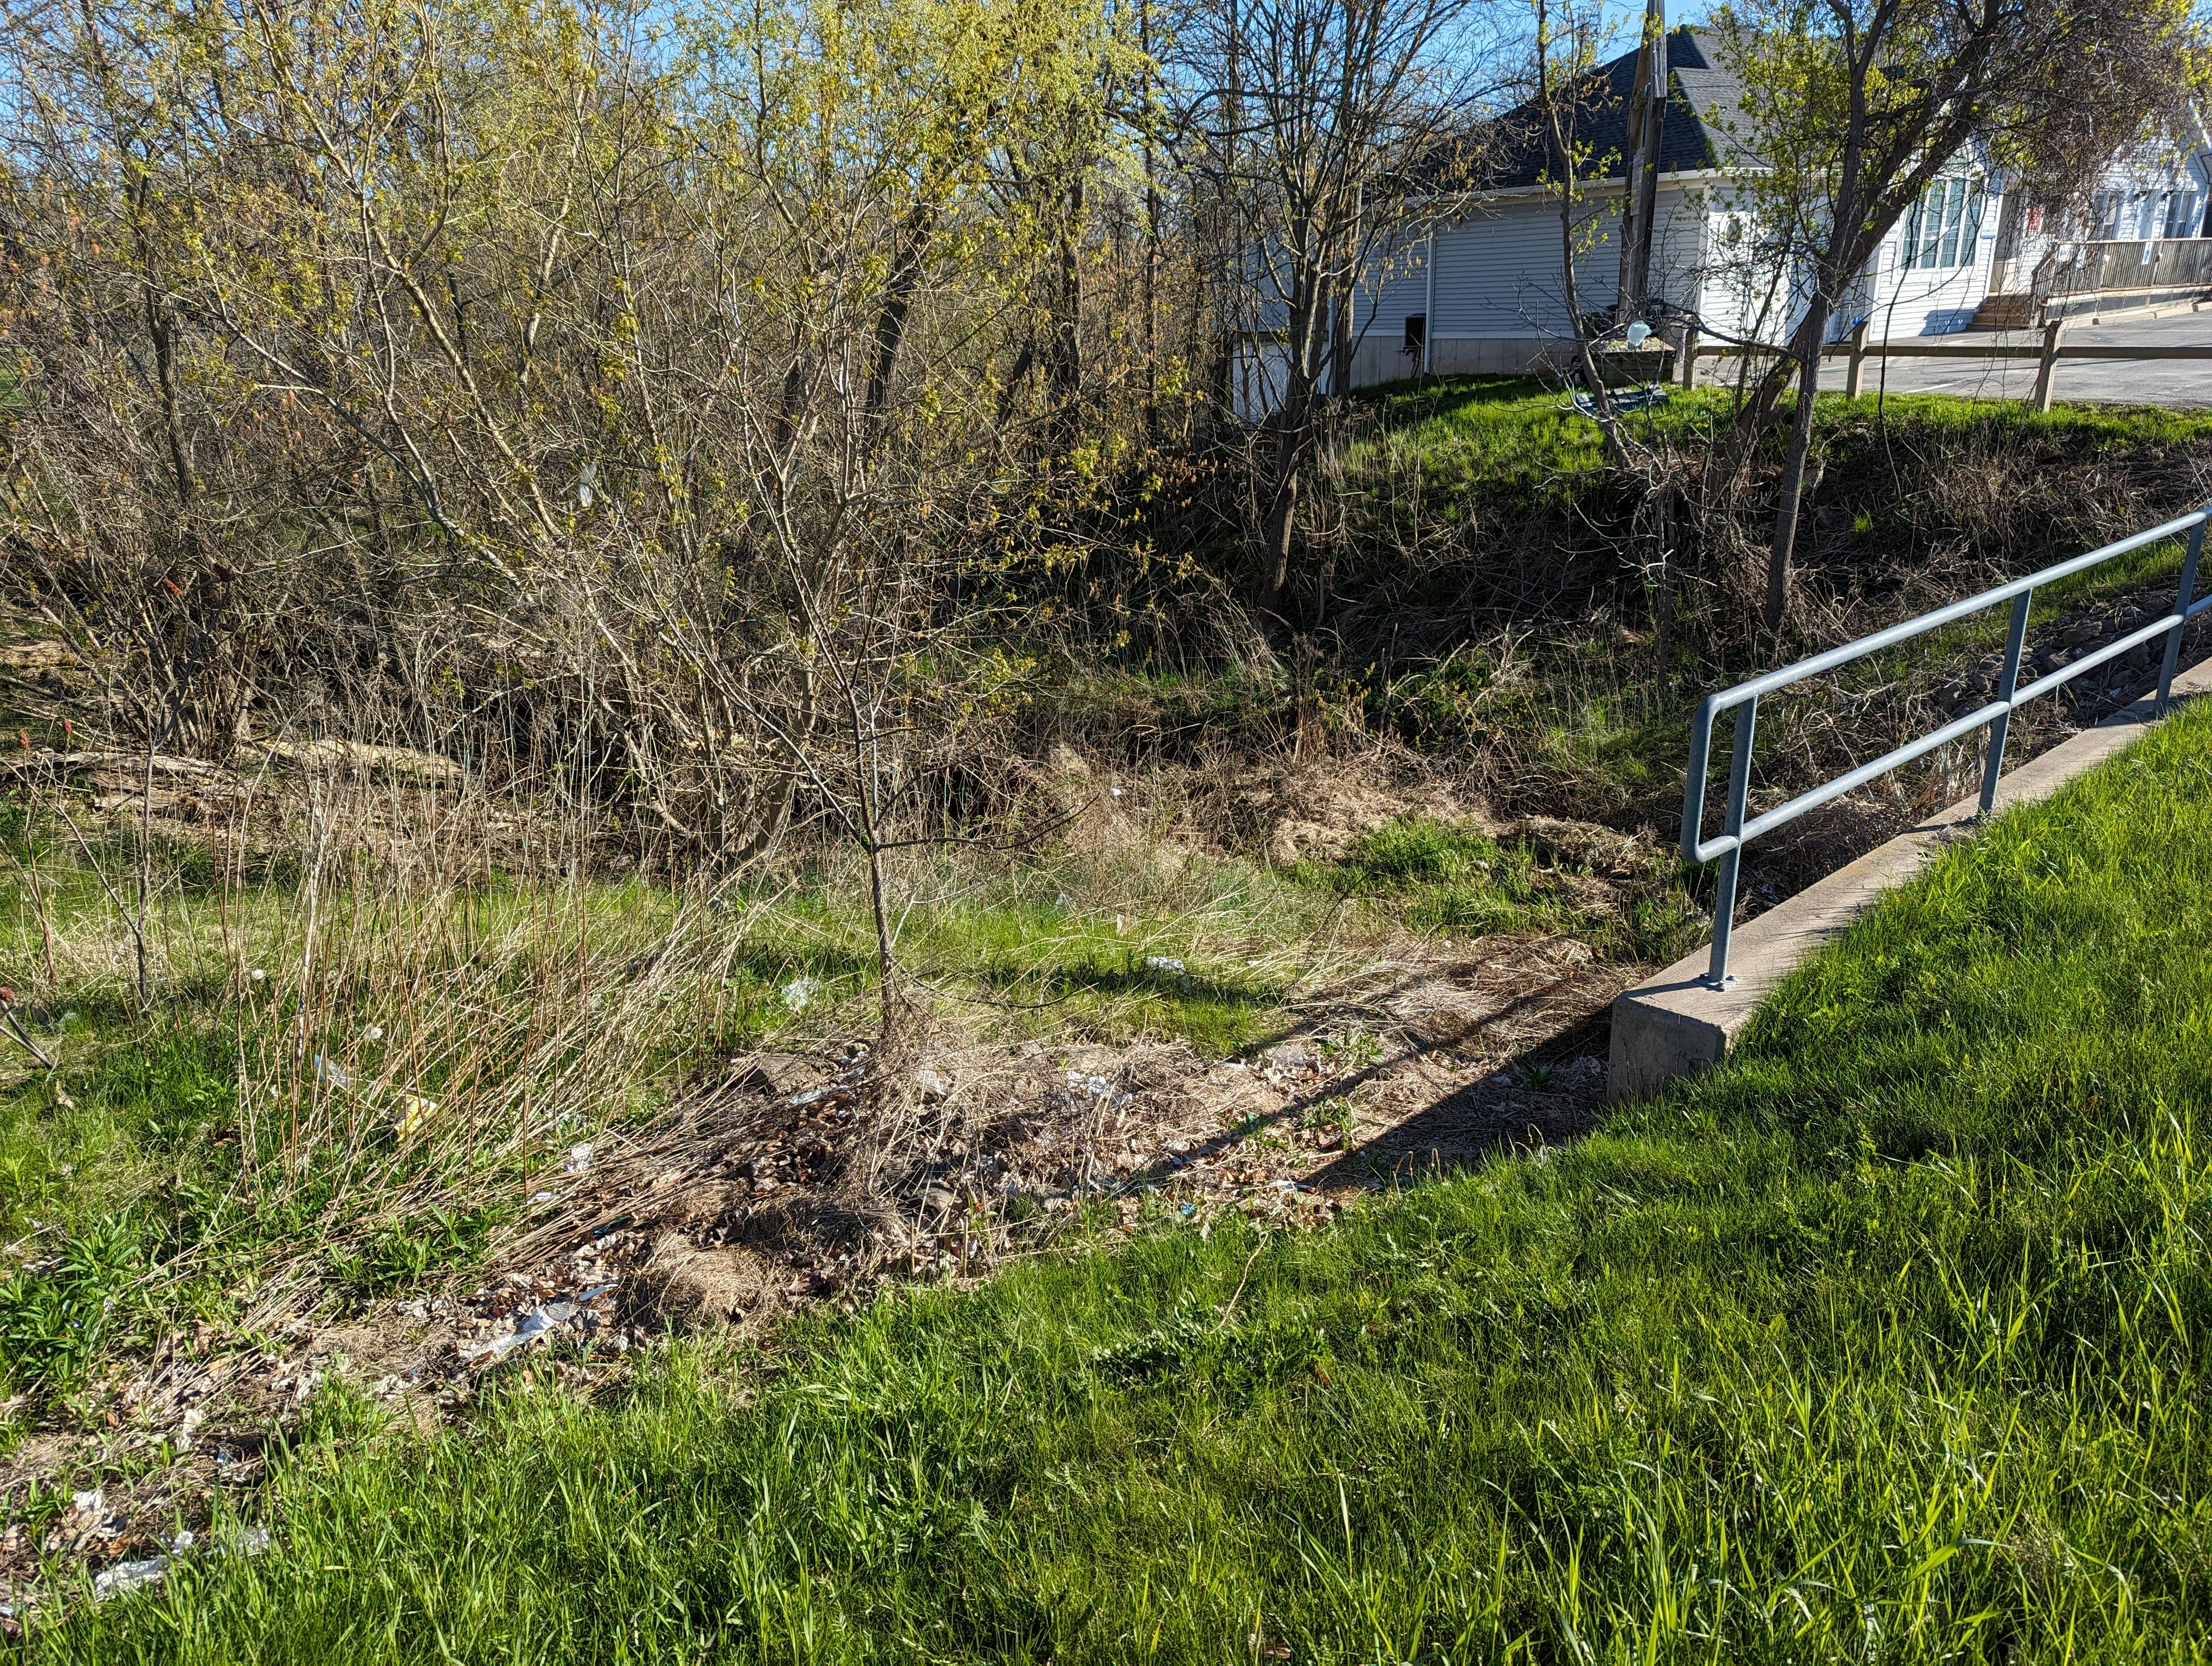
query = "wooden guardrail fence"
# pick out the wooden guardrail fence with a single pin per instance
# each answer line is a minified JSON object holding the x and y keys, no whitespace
{"x":1858,"y":349}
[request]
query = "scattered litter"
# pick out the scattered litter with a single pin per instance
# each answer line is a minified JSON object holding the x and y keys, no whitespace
{"x":1063,"y":901}
{"x":538,"y":1321}
{"x":330,"y":1074}
{"x":799,"y":993}
{"x":929,"y":1083}
{"x":149,"y":1570}
{"x":415,"y":1113}
{"x":1164,"y":962}
{"x":1116,"y":791}
{"x":541,"y":1197}
{"x":256,"y":974}
{"x":373,"y":1033}
{"x":578,"y":1159}
{"x":128,"y":1576}
{"x":93,"y":1502}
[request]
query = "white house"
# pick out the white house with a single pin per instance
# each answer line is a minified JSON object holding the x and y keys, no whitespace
{"x":2137,"y":234}
{"x":1482,"y":292}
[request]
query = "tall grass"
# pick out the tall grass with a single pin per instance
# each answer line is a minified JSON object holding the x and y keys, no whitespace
{"x":382,"y":1020}
{"x":1885,"y":1342}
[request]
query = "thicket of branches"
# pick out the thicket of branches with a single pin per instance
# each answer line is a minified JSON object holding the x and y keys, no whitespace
{"x":729,"y":405}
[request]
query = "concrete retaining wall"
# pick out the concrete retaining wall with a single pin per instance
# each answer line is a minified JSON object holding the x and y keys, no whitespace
{"x":1676,"y":1023}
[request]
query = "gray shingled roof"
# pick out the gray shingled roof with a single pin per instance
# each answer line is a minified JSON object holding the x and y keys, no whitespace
{"x":1703,"y":96}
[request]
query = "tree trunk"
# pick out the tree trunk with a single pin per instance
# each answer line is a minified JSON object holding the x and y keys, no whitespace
{"x":1293,"y":441}
{"x":1067,"y":321}
{"x":1282,"y":516}
{"x":1791,"y":498}
{"x":1342,"y":304}
{"x":898,"y":299}
{"x":1152,"y":414}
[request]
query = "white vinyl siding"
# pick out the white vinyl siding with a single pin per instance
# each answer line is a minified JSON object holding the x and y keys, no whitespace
{"x":1497,"y":271}
{"x":1398,"y":291}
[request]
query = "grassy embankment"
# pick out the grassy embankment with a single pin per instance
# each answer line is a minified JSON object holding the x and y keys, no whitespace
{"x":243,"y":1148}
{"x":1479,"y":610}
{"x":1884,"y":1342}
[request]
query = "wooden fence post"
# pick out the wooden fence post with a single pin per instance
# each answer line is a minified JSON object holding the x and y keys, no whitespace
{"x":1854,"y":378}
{"x":2047,"y":369}
{"x":1685,"y":360}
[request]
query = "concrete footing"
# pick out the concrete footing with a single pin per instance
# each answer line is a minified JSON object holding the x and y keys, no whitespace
{"x":1677,"y":1023}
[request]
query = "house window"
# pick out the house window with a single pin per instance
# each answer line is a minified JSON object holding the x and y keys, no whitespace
{"x":1417,"y":332}
{"x":1939,"y":229}
{"x":2181,"y":215}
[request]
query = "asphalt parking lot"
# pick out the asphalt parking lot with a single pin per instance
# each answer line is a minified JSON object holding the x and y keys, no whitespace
{"x":2144,"y":381}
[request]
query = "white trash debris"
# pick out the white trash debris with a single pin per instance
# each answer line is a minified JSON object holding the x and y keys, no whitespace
{"x":538,"y":1321}
{"x":578,"y":1159}
{"x":149,"y":1570}
{"x":128,"y":1576}
{"x":373,"y":1033}
{"x":92,"y":1502}
{"x":799,"y":993}
{"x":332,"y":1075}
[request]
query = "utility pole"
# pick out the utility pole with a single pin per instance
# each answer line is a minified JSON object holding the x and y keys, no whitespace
{"x":1639,"y":208}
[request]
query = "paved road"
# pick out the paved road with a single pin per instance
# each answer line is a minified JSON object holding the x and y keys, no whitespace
{"x":2148,"y":381}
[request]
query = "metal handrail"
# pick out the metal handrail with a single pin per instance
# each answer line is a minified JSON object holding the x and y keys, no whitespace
{"x":1737,"y":831}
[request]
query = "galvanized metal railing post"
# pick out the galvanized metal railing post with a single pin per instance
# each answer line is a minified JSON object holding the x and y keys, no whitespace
{"x":2183,"y":597}
{"x":1747,"y":720}
{"x":1742,"y":827}
{"x":2008,"y":685}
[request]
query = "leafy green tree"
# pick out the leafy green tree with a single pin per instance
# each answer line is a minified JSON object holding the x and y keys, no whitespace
{"x":1854,"y":106}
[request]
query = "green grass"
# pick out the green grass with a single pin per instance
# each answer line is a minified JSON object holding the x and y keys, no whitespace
{"x":190,"y":1158}
{"x":1885,"y":1342}
{"x":1452,"y":878}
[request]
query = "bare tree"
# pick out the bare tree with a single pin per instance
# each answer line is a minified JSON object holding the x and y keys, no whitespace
{"x":1329,"y":128}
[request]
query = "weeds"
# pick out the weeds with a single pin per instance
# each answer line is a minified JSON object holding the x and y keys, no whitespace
{"x":1884,"y":1341}
{"x":1451,"y":877}
{"x":374,"y":1050}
